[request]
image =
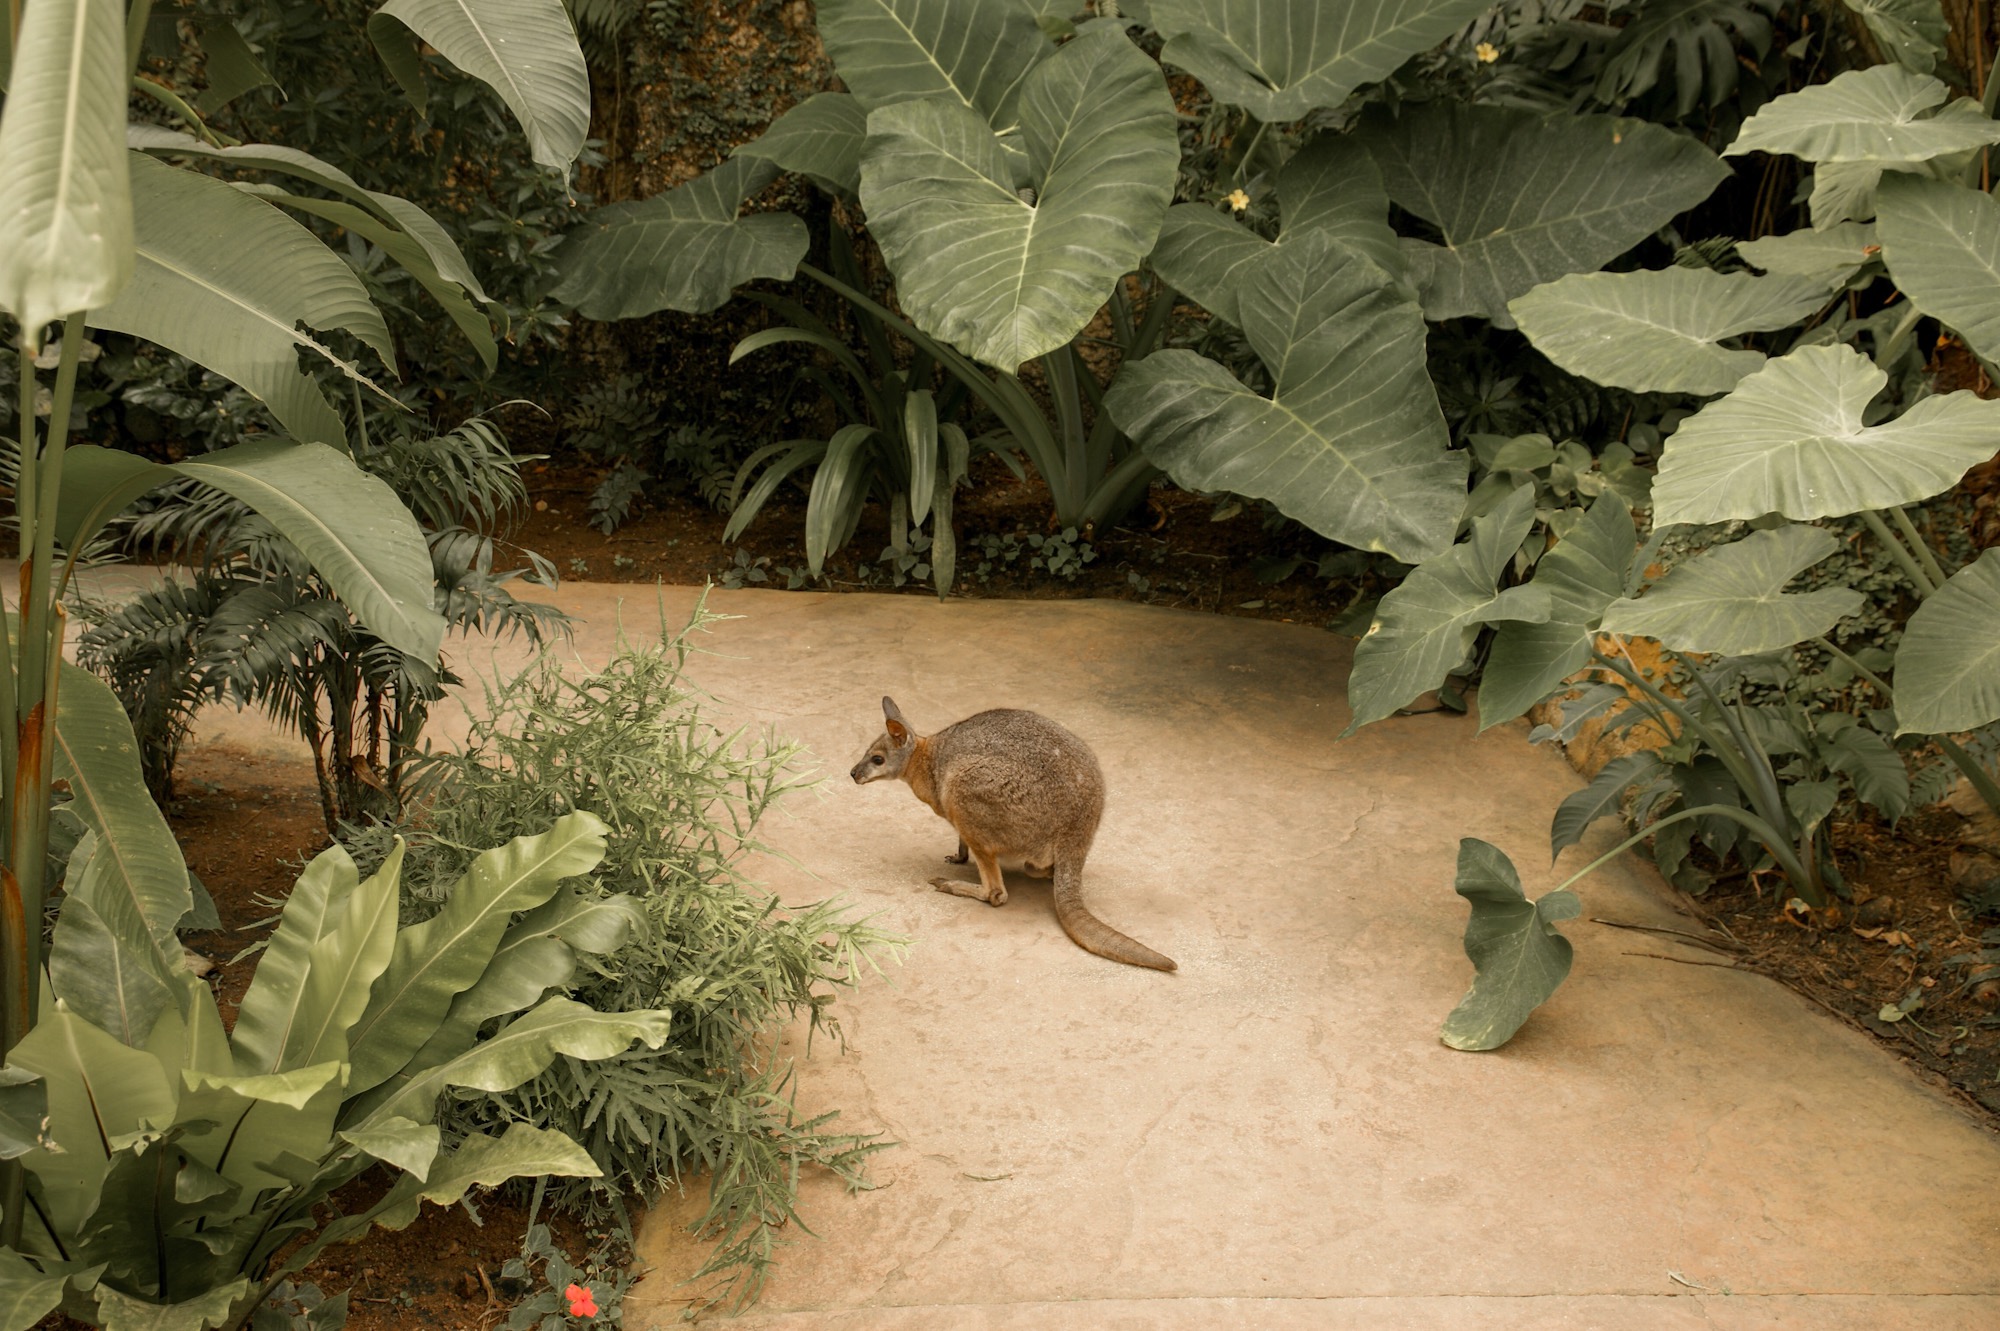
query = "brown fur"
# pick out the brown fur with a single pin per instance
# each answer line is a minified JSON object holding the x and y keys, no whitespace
{"x":1011,"y":783}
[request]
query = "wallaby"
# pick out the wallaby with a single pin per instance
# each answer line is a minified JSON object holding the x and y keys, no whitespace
{"x":1011,"y":783}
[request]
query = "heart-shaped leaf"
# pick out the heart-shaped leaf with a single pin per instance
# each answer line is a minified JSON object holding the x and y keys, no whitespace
{"x":1583,"y":573}
{"x":525,"y":50}
{"x":1351,"y":442}
{"x":1731,"y":600}
{"x":1790,"y":440}
{"x":1948,"y":666}
{"x":820,"y":137}
{"x":976,"y":53}
{"x":1331,"y":187}
{"x":1659,"y":332}
{"x":1831,"y":256}
{"x":1514,"y":946}
{"x":979,"y":264}
{"x":683,"y":250}
{"x":1523,"y":199}
{"x":1425,"y":625}
{"x":67,"y":214}
{"x":1881,"y":114}
{"x":1910,"y":32}
{"x":1942,"y":245}
{"x":1279,"y":59}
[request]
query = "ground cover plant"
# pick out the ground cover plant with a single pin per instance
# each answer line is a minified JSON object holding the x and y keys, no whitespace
{"x":682,"y":802}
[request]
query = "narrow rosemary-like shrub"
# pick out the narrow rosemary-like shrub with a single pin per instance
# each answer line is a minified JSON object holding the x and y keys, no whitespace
{"x":683,"y":800}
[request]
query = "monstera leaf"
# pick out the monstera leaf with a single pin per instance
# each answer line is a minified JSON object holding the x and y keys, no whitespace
{"x":820,"y":137}
{"x":226,"y":280}
{"x":1731,"y":600}
{"x":1519,"y":955}
{"x":1942,"y":245}
{"x":974,"y":53}
{"x":62,"y":156}
{"x":1790,"y":440}
{"x":525,"y":50}
{"x":1005,"y":274}
{"x":1948,"y":666}
{"x":1331,"y":187}
{"x":1279,"y":59}
{"x":1831,"y":256}
{"x":1660,"y":331}
{"x":1523,"y":199}
{"x":1697,"y":39}
{"x":684,"y":250}
{"x":1426,"y":624}
{"x":1584,"y":573}
{"x":1883,"y":114}
{"x":1351,"y":442}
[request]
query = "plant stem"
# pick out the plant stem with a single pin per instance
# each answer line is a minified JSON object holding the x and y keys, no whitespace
{"x":1243,"y":163}
{"x":1757,"y":827}
{"x":1924,"y":554}
{"x":1899,"y":552}
{"x":172,"y":100}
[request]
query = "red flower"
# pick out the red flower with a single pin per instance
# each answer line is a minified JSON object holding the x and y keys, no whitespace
{"x":582,"y":1303}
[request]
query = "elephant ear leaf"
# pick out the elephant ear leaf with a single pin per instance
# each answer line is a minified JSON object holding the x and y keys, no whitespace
{"x":1279,"y":59}
{"x":1523,"y":199}
{"x":976,"y":53}
{"x":1731,"y":600}
{"x":1948,"y":666}
{"x":1514,"y":945}
{"x":1351,"y":442}
{"x":1007,"y":269}
{"x":683,"y":250}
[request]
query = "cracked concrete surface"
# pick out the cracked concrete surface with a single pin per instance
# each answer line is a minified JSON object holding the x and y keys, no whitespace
{"x":1273,"y":1137}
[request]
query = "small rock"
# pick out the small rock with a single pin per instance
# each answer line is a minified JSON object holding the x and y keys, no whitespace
{"x":1875,"y":913}
{"x":1982,"y":825}
{"x":197,"y":963}
{"x":1974,"y":870}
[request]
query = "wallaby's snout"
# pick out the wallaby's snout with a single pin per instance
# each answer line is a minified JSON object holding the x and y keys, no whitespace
{"x":887,"y":756}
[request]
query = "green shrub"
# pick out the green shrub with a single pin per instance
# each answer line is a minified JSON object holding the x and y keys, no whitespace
{"x":683,"y":801}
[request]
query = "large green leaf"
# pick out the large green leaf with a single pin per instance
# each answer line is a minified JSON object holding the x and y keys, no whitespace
{"x":526,"y":50}
{"x":1790,"y":440}
{"x":225,"y":280}
{"x":1883,"y":114}
{"x":445,"y":955}
{"x":243,"y":1127}
{"x":683,"y":250}
{"x":1948,"y":666}
{"x":975,"y":53}
{"x":1426,"y":624}
{"x":1279,"y":59}
{"x":1332,"y":186}
{"x":104,"y":962}
{"x":1351,"y":442}
{"x":302,"y":1018}
{"x":27,"y":1293}
{"x":67,"y":210}
{"x":1910,"y":32}
{"x":1584,"y":573}
{"x":117,"y":1311}
{"x":422,"y":229}
{"x":1831,"y":255}
{"x":1731,"y":600}
{"x":977,"y":264}
{"x":270,"y":1007}
{"x":409,"y":1146}
{"x":350,"y":525}
{"x":486,"y":1162}
{"x":1942,"y":244}
{"x":1514,"y":945}
{"x":1660,"y":332}
{"x":522,"y":1049}
{"x":1522,"y":199}
{"x":820,"y":137}
{"x":137,"y":856}
{"x":101,"y":1094}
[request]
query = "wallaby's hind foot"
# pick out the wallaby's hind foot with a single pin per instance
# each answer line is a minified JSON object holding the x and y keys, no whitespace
{"x":977,"y":891}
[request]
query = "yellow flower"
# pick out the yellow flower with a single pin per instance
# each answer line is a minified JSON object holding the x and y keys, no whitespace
{"x":1487,"y":52}
{"x":1238,"y":200}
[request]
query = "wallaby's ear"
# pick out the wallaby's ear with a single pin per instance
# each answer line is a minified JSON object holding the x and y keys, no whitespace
{"x":899,"y":729}
{"x":890,"y":710}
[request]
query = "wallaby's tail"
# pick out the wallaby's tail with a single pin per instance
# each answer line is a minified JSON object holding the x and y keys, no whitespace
{"x":1092,"y":934}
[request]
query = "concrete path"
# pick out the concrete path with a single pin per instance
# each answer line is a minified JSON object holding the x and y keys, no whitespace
{"x":1273,"y":1138}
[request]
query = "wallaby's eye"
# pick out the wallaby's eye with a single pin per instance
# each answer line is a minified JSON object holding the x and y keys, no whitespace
{"x":876,"y":759}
